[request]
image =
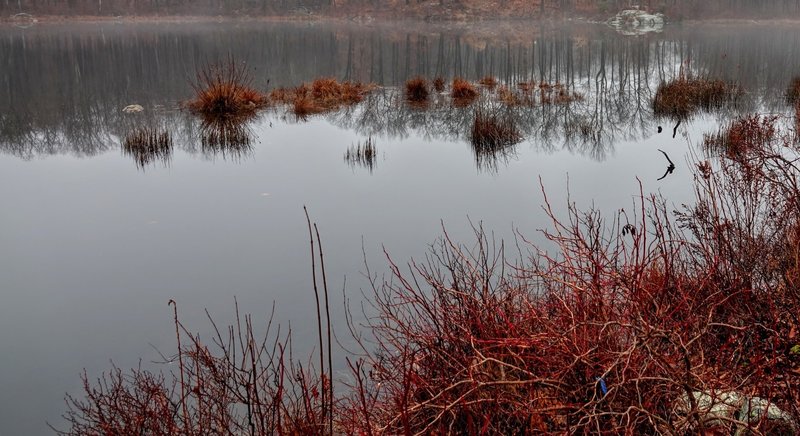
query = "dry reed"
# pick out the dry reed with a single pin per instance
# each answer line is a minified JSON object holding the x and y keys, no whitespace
{"x":463,"y":92}
{"x":225,"y":91}
{"x":684,"y":96}
{"x":417,"y":91}
{"x":321,"y":95}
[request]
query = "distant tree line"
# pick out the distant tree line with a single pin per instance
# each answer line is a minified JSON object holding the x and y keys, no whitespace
{"x":677,"y":9}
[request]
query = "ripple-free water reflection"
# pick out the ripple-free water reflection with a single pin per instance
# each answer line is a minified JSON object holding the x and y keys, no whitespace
{"x":229,"y":137}
{"x":148,"y":145}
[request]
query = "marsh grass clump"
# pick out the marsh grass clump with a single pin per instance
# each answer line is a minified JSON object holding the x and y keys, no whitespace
{"x":438,"y":84}
{"x":509,"y":97}
{"x":364,"y":155}
{"x":560,"y":94}
{"x":321,"y":95}
{"x":463,"y":92}
{"x":531,"y":93}
{"x":742,"y":136}
{"x":526,"y":87}
{"x":556,"y":94}
{"x":417,"y":91}
{"x":147,"y":145}
{"x":492,"y":133}
{"x":684,"y":96}
{"x":226,"y":91}
{"x":488,"y":81}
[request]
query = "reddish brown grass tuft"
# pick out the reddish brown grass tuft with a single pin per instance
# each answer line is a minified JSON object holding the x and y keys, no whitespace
{"x":438,"y":84}
{"x":224,"y":90}
{"x":509,"y":97}
{"x":463,"y":92}
{"x":741,"y":136}
{"x":683,"y":97}
{"x":321,"y":95}
{"x":526,"y":87}
{"x":489,"y":82}
{"x":417,"y":90}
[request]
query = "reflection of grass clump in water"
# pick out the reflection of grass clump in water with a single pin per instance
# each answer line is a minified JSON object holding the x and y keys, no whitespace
{"x":322,"y":95}
{"x":684,"y":96}
{"x":417,"y":90}
{"x":746,"y":134}
{"x":225,"y":136}
{"x":147,"y":145}
{"x":364,"y":155}
{"x":224,"y":90}
{"x":463,"y":92}
{"x":491,"y":133}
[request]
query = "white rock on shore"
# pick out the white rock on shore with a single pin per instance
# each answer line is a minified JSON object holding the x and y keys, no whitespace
{"x":636,"y":22}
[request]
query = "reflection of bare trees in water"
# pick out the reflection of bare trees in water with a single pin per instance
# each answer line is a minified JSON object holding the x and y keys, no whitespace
{"x":577,"y":125}
{"x":26,"y":132}
{"x":78,"y":111}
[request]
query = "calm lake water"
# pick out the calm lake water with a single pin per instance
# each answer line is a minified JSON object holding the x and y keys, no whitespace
{"x":92,"y":246}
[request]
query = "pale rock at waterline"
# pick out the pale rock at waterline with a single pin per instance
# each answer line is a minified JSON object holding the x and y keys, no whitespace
{"x":636,"y":22}
{"x":132,"y":109}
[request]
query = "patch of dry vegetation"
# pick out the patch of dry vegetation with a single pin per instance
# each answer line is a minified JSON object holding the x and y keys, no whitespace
{"x":321,"y":95}
{"x":526,"y":94}
{"x":742,"y":136}
{"x":225,"y":91}
{"x":463,"y":92}
{"x":685,"y":96}
{"x":438,"y":84}
{"x":417,"y":91}
{"x":489,"y":82}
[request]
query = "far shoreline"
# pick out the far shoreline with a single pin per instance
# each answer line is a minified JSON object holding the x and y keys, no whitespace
{"x":366,"y":19}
